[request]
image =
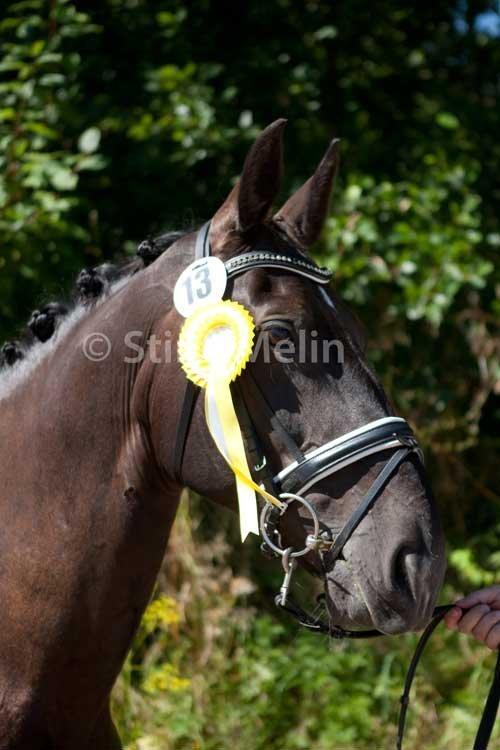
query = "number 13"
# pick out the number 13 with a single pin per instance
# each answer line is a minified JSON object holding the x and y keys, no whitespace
{"x":203,"y":285}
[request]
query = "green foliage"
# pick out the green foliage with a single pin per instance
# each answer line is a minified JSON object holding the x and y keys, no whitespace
{"x":420,"y":238}
{"x":42,"y":153}
{"x":119,"y":118}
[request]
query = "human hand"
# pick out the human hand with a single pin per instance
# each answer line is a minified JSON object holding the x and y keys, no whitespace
{"x":478,"y":614}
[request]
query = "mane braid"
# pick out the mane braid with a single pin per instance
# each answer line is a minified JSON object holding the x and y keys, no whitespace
{"x":10,"y":353}
{"x":151,"y":248}
{"x":93,"y":282}
{"x":43,"y":322}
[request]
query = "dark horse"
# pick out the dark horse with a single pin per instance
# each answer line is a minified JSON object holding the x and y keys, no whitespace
{"x":89,"y":490}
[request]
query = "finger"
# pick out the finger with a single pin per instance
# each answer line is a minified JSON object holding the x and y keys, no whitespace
{"x":472,"y":617}
{"x":490,"y":595}
{"x":493,"y":637}
{"x":452,"y":617}
{"x":483,"y":627}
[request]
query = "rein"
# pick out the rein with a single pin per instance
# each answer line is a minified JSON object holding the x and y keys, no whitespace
{"x":269,"y":530}
{"x":386,"y":434}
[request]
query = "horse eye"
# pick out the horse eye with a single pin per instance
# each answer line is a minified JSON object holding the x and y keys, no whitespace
{"x":278,"y":333}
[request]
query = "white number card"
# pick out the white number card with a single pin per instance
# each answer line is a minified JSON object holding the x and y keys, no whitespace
{"x":202,"y":281}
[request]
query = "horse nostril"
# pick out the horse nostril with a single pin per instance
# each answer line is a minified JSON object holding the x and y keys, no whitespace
{"x":401,"y":572}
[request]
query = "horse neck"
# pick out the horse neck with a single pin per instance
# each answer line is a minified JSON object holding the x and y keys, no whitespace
{"x":90,"y":420}
{"x":87,"y":507}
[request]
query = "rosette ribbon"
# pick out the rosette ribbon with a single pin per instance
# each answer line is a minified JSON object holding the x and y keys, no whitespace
{"x":215,"y":345}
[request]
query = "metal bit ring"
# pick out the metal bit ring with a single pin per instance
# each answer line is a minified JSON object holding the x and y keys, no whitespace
{"x":289,"y":498}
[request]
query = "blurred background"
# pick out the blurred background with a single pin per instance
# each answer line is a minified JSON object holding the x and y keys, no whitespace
{"x":123,"y":118}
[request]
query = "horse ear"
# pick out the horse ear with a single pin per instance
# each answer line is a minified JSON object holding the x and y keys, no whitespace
{"x":250,"y":201}
{"x":304,"y":214}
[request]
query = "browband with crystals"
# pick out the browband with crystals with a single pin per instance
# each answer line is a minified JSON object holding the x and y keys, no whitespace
{"x":262,"y":259}
{"x":268,"y":259}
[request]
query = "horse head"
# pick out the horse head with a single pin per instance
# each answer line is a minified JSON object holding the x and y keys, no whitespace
{"x":314,"y":413}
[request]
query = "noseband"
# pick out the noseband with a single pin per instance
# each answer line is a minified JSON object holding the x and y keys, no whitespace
{"x":387,"y":434}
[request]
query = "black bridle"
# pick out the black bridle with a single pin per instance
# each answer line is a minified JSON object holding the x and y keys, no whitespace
{"x":387,"y":434}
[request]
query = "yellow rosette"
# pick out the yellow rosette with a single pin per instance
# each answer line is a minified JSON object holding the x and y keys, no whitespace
{"x":215,"y":344}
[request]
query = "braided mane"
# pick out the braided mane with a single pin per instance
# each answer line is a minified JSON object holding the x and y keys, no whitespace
{"x":91,"y":285}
